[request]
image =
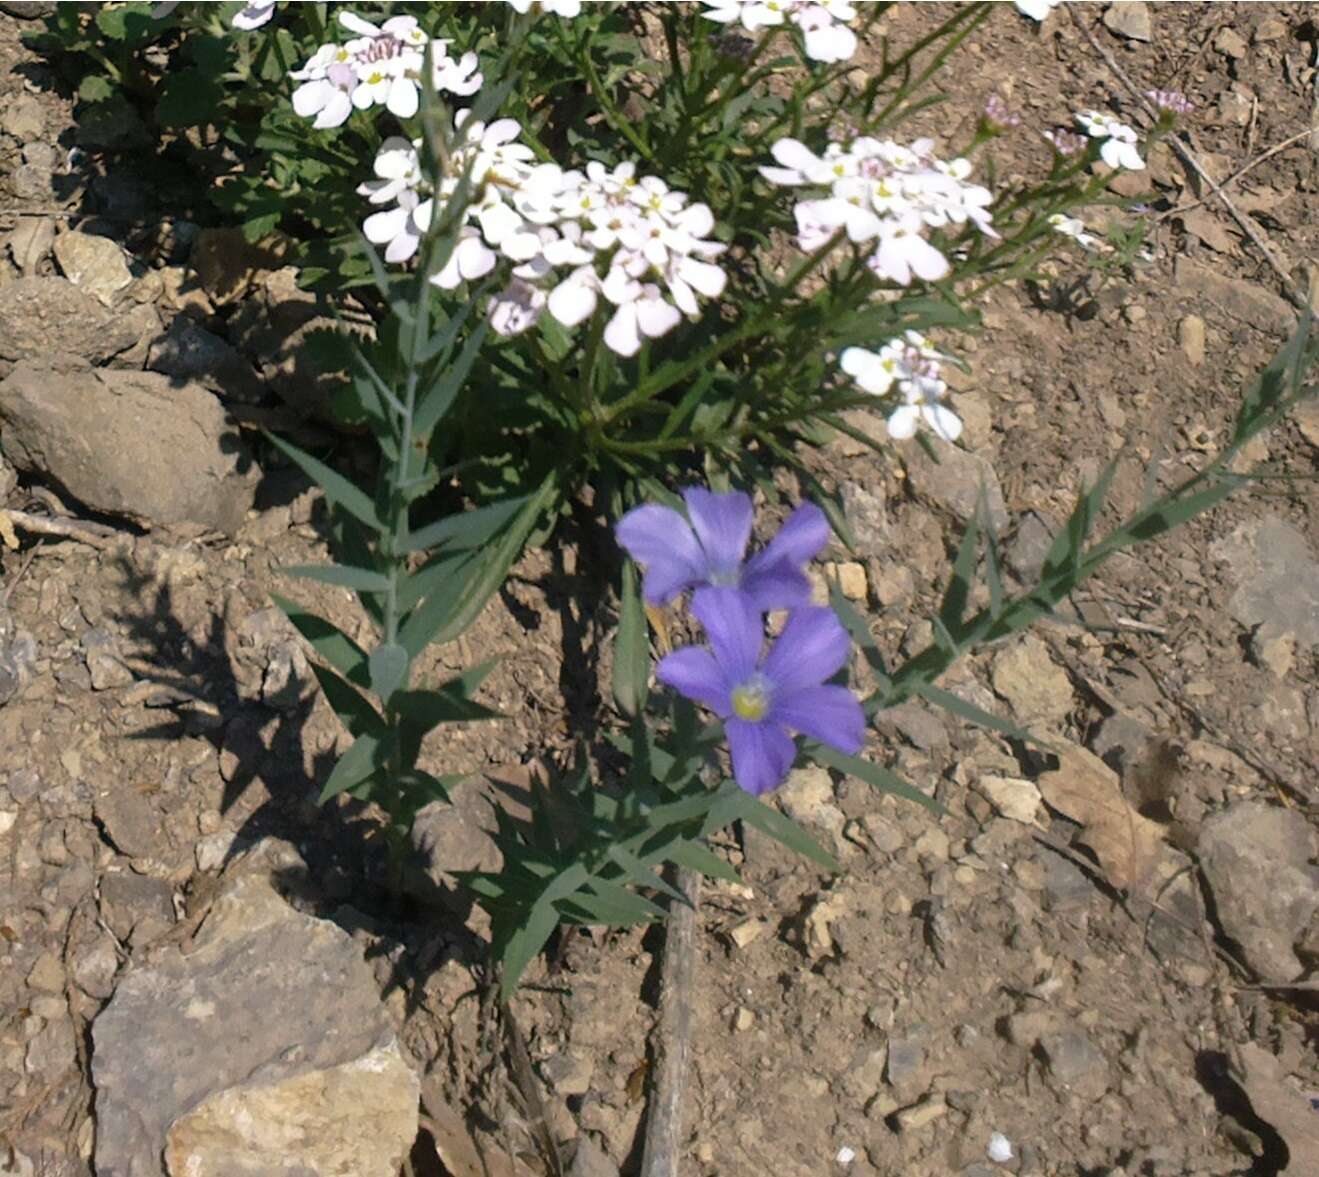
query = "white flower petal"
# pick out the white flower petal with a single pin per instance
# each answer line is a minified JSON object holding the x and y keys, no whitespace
{"x":403,"y":101}
{"x":621,"y":334}
{"x":902,"y":422}
{"x":572,"y":302}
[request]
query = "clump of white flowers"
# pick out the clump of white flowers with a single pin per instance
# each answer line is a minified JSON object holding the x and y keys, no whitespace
{"x":254,"y":15}
{"x":880,"y":191}
{"x":1118,"y":148}
{"x":381,"y":66}
{"x":564,"y":8}
{"x":573,"y":237}
{"x":1037,"y":9}
{"x":909,"y":367}
{"x":822,"y":23}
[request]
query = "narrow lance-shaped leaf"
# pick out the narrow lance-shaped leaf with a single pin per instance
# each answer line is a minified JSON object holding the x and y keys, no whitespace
{"x":338,"y":490}
{"x":735,"y":804}
{"x":389,"y":669}
{"x":362,"y":580}
{"x":872,"y":774}
{"x":443,"y":620}
{"x":354,"y":767}
{"x":330,"y":642}
{"x":631,"y":648}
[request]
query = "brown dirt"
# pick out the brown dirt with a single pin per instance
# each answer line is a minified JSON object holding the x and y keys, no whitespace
{"x":959,"y":967}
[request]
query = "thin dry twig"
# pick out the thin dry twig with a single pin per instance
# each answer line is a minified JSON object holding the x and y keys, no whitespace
{"x":664,"y":1128}
{"x":22,"y":570}
{"x":92,"y":534}
{"x":1290,"y":141}
{"x":1188,"y":157}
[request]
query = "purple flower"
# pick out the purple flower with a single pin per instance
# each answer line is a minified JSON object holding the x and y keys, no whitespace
{"x":709,"y":549}
{"x":760,"y":698}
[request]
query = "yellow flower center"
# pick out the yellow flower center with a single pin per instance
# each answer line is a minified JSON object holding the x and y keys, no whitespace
{"x":750,"y":701}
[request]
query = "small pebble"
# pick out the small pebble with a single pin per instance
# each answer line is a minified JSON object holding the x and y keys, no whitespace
{"x":1000,"y":1149}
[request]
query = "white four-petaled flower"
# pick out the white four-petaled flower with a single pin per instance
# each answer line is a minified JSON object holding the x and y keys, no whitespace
{"x":823,"y":24}
{"x":908,"y":366}
{"x":1118,"y":149}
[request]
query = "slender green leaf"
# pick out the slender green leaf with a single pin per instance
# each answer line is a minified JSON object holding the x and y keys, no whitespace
{"x":953,"y":607}
{"x":855,"y":625}
{"x":524,"y":943}
{"x":330,"y":642}
{"x":352,"y":707}
{"x":872,"y":774}
{"x":1174,"y":514}
{"x":440,"y":397}
{"x":442,"y":620}
{"x":742,"y":806}
{"x":362,"y":580}
{"x":1065,"y":551}
{"x":956,"y":705}
{"x":429,"y":709}
{"x":697,"y":857}
{"x":631,"y":648}
{"x":640,"y":875}
{"x":338,"y":490}
{"x":615,"y":905}
{"x":389,"y":669}
{"x":465,"y":530}
{"x":354,"y":767}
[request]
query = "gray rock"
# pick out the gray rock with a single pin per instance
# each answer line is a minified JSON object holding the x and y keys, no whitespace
{"x":590,"y":1160}
{"x":106,"y":668}
{"x":190,"y":352}
{"x":954,"y":482}
{"x":41,"y":316}
{"x":904,"y":1068}
{"x":136,"y":907}
{"x":1277,"y":577}
{"x":28,"y":9}
{"x":1129,"y":19}
{"x":128,"y":443}
{"x":867,"y":515}
{"x":917,"y":724}
{"x":1066,"y":887}
{"x":52,"y":1051}
{"x":1075,"y":1064}
{"x":1256,"y":859}
{"x":1242,"y":300}
{"x":130,"y":821}
{"x":94,"y":264}
{"x":18,"y":652}
{"x":807,"y":796}
{"x":455,"y":837}
{"x":1029,"y":546}
{"x":23,"y":118}
{"x":287,"y":678}
{"x":1035,"y":686}
{"x":568,"y":1073}
{"x":30,"y":242}
{"x":267,"y":1040}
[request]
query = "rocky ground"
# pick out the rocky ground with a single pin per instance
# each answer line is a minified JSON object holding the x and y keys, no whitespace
{"x":1103,"y":954}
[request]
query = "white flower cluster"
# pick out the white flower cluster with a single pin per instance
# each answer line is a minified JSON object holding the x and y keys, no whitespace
{"x":823,"y":23}
{"x":1037,"y":9}
{"x":254,"y":15}
{"x":880,"y":191}
{"x":1119,"y":147}
{"x":380,"y":66}
{"x":564,"y":8}
{"x":909,"y":366}
{"x":573,"y":237}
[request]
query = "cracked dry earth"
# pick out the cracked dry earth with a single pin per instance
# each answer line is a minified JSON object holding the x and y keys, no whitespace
{"x":1104,"y":951}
